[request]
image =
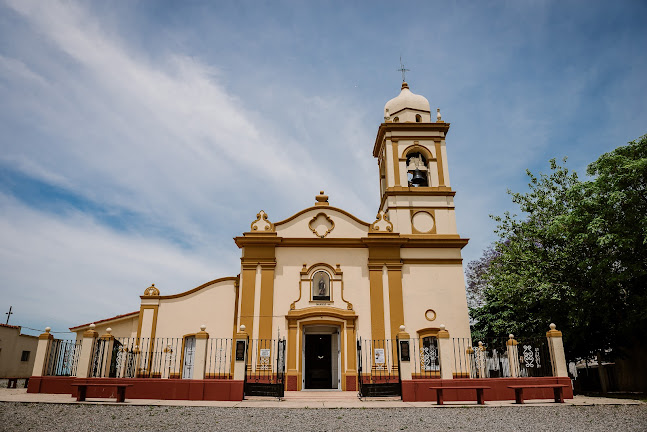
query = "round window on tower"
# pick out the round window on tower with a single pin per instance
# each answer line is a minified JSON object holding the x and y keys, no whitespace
{"x":417,"y":170}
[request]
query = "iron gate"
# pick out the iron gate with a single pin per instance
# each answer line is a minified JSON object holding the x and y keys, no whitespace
{"x":264,"y":377}
{"x":378,"y":367}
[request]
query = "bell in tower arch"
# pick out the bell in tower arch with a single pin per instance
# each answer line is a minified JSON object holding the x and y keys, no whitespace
{"x":417,"y":170}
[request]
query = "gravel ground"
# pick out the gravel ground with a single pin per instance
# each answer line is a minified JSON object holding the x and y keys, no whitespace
{"x":20,"y":416}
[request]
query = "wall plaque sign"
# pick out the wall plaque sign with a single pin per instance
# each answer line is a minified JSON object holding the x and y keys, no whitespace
{"x":379,"y":355}
{"x":404,"y":350}
{"x":240,"y":350}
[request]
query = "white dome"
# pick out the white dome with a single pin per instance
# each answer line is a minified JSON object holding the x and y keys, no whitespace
{"x":405,"y":100}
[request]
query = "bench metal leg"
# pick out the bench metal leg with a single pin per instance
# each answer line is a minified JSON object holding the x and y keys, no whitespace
{"x":80,"y":395}
{"x":121,"y":394}
{"x":518,"y":395}
{"x":479,"y":397}
{"x":559,"y":394}
{"x":439,"y":396}
{"x":12,"y":383}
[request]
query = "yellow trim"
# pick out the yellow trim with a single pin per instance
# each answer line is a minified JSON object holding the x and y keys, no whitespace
{"x":395,"y":299}
{"x":431,"y":213}
{"x":439,"y":164}
{"x":396,"y":162}
{"x":395,"y":128}
{"x":356,"y":219}
{"x":433,"y":314}
{"x":377,"y":302}
{"x":327,"y":218}
{"x":267,"y":303}
{"x":247,"y":299}
{"x":196,"y":289}
{"x":417,"y":147}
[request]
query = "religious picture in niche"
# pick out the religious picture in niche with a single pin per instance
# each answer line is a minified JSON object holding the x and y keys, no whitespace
{"x":321,"y":286}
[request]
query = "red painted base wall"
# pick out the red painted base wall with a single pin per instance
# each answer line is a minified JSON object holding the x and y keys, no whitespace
{"x":144,"y":388}
{"x":418,"y":390}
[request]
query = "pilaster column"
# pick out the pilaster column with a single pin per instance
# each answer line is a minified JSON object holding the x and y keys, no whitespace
{"x":240,"y":354}
{"x":267,"y":300}
{"x":405,"y":353}
{"x":513,"y":356}
{"x":84,"y":367}
{"x":446,"y":354}
{"x":377,"y":301}
{"x":556,"y":347}
{"x":42,"y":352}
{"x":293,"y":373}
{"x":200,"y":359}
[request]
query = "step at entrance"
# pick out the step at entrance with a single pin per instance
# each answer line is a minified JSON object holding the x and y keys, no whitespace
{"x":320,"y":396}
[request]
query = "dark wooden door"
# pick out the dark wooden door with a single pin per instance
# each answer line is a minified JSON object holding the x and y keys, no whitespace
{"x":318,"y":373}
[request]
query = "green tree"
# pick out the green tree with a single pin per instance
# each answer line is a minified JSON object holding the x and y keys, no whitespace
{"x":577,"y":257}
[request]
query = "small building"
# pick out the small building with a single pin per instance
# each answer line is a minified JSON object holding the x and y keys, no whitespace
{"x":17,"y":352}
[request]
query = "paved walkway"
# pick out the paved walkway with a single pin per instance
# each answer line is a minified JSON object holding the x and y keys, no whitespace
{"x":309,"y":399}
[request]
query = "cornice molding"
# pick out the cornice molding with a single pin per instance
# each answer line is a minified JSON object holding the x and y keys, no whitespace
{"x":399,"y":127}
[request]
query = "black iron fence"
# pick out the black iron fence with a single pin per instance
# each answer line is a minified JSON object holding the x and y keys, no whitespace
{"x":378,"y":367}
{"x":218,"y":365}
{"x":63,"y":357}
{"x":501,"y":358}
{"x":265,"y":367}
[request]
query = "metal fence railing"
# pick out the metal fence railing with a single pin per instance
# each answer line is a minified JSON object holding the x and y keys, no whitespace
{"x":425,"y":358}
{"x":171,"y":358}
{"x":63,"y":357}
{"x":501,"y":358}
{"x":218,"y":362}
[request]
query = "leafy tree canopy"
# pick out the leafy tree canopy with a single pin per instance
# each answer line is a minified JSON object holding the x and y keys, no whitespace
{"x":577,"y":257}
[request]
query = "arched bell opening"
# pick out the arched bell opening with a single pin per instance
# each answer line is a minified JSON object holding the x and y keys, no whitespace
{"x":417,"y":170}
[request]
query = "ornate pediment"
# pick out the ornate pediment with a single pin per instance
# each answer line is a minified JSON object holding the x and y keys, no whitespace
{"x":382,"y":223}
{"x":262,"y":224}
{"x":321,"y":225}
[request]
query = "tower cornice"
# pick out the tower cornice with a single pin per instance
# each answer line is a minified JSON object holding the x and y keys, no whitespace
{"x":401,"y":127}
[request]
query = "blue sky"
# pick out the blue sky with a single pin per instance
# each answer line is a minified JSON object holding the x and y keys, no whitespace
{"x":139,"y":137}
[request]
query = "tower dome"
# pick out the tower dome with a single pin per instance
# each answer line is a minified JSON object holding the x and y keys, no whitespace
{"x":407,"y":107}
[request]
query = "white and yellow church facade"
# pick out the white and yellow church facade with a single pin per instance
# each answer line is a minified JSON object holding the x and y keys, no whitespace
{"x":323,"y":278}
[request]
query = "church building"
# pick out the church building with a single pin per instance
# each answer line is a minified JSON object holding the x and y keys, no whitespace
{"x":322,"y":279}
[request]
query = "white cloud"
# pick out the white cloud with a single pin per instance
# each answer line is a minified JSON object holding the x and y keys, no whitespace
{"x":69,"y":269}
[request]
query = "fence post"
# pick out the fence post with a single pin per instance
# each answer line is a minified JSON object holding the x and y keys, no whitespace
{"x":108,"y":343}
{"x":84,"y":368}
{"x":42,"y":352}
{"x":556,"y":347}
{"x":513,"y":356}
{"x":479,"y":356}
{"x":405,"y":354}
{"x":240,"y":354}
{"x":446,"y":356}
{"x":200,"y":359}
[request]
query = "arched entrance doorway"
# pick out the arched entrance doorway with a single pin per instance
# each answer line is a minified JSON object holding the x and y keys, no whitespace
{"x":321,"y":349}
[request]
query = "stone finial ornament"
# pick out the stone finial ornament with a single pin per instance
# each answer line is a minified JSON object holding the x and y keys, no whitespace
{"x":322,"y":199}
{"x":262,"y":223}
{"x":151,"y":291}
{"x":438,"y":117}
{"x":382,"y":223}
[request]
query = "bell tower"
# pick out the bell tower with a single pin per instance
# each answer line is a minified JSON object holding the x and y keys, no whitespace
{"x":414,"y":176}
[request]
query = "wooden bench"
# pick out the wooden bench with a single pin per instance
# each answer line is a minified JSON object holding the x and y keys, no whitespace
{"x":12,"y":382}
{"x":479,"y":392}
{"x":558,"y":391}
{"x":83,"y":388}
